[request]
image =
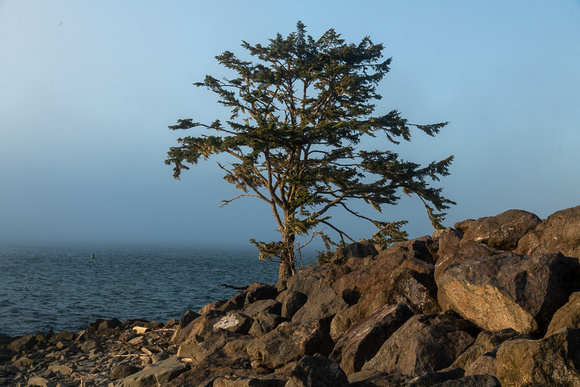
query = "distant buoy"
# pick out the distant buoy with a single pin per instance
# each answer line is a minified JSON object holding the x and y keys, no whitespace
{"x":92,"y":256}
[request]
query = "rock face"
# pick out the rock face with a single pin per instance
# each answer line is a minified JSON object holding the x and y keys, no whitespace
{"x":552,"y":361}
{"x":509,"y":290}
{"x":425,"y":343}
{"x":493,"y":301}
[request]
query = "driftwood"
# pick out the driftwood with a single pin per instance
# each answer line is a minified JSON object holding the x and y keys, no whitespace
{"x":234,"y":287}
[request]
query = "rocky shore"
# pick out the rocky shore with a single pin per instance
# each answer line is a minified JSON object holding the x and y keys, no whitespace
{"x":493,"y":301}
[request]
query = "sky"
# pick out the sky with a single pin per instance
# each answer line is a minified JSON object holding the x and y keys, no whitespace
{"x":88,"y":89}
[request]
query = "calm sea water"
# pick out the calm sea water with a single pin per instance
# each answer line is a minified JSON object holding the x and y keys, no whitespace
{"x":65,"y":289}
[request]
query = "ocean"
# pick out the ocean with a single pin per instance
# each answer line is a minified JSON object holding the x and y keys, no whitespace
{"x":67,"y":288}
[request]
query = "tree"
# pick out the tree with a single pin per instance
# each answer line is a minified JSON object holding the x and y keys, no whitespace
{"x":298,"y":116}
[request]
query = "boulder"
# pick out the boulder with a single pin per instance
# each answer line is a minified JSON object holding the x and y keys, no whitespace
{"x":234,"y":322}
{"x":485,"y":342}
{"x":196,"y":349}
{"x":122,"y":370}
{"x":566,"y":316}
{"x":560,"y":232}
{"x":23,"y":343}
{"x":322,"y":304}
{"x":509,"y":290}
{"x":250,"y":381}
{"x":471,"y":381}
{"x":486,"y":364}
{"x":156,"y":374}
{"x":259,"y":291}
{"x":293,"y":301}
{"x":425,"y":343}
{"x":268,"y":306}
{"x":265,"y":322}
{"x":552,"y":361}
{"x":290,"y":341}
{"x":502,"y":231}
{"x":461,"y":255}
{"x":403,"y":272}
{"x":201,"y":326}
{"x":360,"y":249}
{"x":362,"y":341}
{"x":317,"y":370}
{"x":343,"y":320}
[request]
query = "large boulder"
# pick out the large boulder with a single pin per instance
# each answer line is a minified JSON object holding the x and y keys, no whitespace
{"x":360,"y":249}
{"x":560,"y":232}
{"x":322,"y":301}
{"x":401,"y":273}
{"x":201,"y":326}
{"x":290,"y":341}
{"x":552,"y":361}
{"x":425,"y":343}
{"x":567,"y":316}
{"x":502,"y":231}
{"x":362,"y":341}
{"x":485,"y":342}
{"x":317,"y":370}
{"x":157,"y":374}
{"x":509,"y":290}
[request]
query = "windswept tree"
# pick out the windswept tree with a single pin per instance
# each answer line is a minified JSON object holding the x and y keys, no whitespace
{"x":298,"y":115}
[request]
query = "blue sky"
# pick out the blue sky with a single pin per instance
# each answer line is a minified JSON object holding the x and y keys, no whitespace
{"x":87,"y":90}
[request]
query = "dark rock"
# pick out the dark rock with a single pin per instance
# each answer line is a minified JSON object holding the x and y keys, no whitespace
{"x":362,"y":341}
{"x":293,"y":301}
{"x":471,"y":381}
{"x":187,"y":318}
{"x":485,"y":342}
{"x":552,"y":361}
{"x":425,"y":343}
{"x":322,"y":304}
{"x":289,"y":342}
{"x":510,"y":290}
{"x":265,"y":322}
{"x":560,"y":232}
{"x":122,"y":370}
{"x":568,"y":316}
{"x":109,"y":324}
{"x":388,"y":278}
{"x":234,"y":322}
{"x":437,"y":378}
{"x":318,"y":371}
{"x":360,"y":249}
{"x":156,"y":374}
{"x":267,"y":306}
{"x":251,"y":381}
{"x":201,"y":326}
{"x":502,"y":231}
{"x":259,"y":291}
{"x":23,"y":343}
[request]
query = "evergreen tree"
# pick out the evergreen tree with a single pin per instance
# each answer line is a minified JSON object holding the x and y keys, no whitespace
{"x":298,"y":115}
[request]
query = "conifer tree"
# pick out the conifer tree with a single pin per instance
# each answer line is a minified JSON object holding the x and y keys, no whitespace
{"x":298,"y":115}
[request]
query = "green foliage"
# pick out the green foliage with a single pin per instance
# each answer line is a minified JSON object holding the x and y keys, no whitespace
{"x":298,"y":115}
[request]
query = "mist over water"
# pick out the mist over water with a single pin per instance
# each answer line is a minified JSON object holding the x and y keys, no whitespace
{"x":65,"y":289}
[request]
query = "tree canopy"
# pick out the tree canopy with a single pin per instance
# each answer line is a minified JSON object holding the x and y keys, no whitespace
{"x":298,"y":115}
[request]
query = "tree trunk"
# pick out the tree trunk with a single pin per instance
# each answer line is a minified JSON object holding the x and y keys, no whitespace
{"x":287,"y":268}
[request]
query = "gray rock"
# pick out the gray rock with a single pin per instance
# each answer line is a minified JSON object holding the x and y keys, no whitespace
{"x":425,"y":343}
{"x":156,"y":374}
{"x":293,"y":301}
{"x":290,"y":341}
{"x":362,"y":341}
{"x":317,"y":371}
{"x":23,"y":343}
{"x":510,"y":290}
{"x":122,"y":370}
